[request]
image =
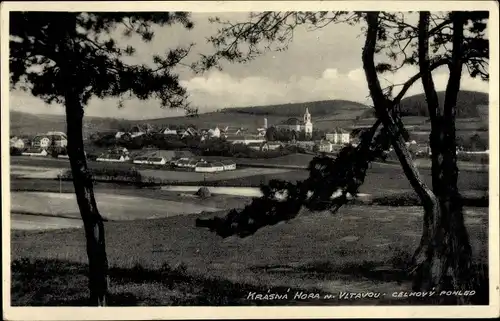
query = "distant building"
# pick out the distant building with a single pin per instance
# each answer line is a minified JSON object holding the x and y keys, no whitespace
{"x":189,"y":132}
{"x":245,"y":139}
{"x":119,"y":154}
{"x":298,"y":125}
{"x":168,"y":131}
{"x":339,"y":136}
{"x":229,"y":165}
{"x":44,"y":141}
{"x":325,"y":147}
{"x":214,"y":132}
{"x":232,"y":131}
{"x":119,"y":134}
{"x":210,"y":133}
{"x":264,"y":146}
{"x":137,"y":131}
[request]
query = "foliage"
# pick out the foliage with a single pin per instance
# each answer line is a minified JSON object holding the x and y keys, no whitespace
{"x":203,"y":192}
{"x":15,"y":151}
{"x":343,"y":174}
{"x":40,"y":58}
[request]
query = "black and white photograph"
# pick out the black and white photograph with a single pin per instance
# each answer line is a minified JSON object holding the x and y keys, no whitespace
{"x":319,"y":155}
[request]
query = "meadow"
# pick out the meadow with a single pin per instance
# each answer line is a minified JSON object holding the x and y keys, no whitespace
{"x":171,"y":262}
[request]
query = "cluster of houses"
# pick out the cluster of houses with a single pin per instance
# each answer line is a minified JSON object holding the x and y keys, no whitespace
{"x":256,"y":140}
{"x":40,"y":144}
{"x":178,"y":159}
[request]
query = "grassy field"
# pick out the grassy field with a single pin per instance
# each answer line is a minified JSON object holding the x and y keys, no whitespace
{"x":388,"y":177}
{"x":170,"y":262}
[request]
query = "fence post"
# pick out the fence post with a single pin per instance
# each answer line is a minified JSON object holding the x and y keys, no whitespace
{"x":60,"y":181}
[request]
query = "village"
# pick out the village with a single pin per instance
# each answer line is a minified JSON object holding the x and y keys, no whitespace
{"x":184,"y":147}
{"x":293,"y":133}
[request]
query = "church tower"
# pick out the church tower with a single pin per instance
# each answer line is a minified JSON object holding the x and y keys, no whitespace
{"x":308,"y":126}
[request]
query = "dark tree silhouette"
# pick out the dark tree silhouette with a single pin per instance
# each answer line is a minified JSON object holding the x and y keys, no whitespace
{"x":443,"y":258}
{"x":272,"y":134}
{"x":69,"y":57}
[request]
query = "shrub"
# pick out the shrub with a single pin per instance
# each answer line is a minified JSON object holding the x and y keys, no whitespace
{"x":15,"y":151}
{"x":203,"y":192}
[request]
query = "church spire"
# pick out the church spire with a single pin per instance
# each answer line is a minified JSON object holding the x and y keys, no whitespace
{"x":307,"y":116}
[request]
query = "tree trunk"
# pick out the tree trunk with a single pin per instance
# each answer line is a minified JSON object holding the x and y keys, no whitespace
{"x":428,"y":271}
{"x":436,"y":136}
{"x":92,"y":220}
{"x":449,"y":257}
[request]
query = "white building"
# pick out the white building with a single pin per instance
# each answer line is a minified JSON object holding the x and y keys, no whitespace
{"x":246,"y":139}
{"x":339,"y":136}
{"x":325,"y":147}
{"x":214,"y":132}
{"x":298,"y":125}
{"x":168,"y":131}
{"x":57,"y":139}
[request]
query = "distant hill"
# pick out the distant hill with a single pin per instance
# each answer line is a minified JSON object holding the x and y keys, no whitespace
{"x":316,"y":108}
{"x":325,"y":114}
{"x":468,"y":102}
{"x":31,"y":124}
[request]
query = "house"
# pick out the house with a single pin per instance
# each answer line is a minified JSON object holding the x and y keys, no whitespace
{"x":150,"y":160}
{"x":232,"y":131}
{"x":228,"y":165}
{"x":210,"y":133}
{"x":56,"y":139}
{"x":245,"y":139}
{"x":35,"y":151}
{"x":181,"y":162}
{"x":168,"y":131}
{"x":214,"y":132}
{"x":213,"y":167}
{"x":189,"y":132}
{"x":119,"y":154}
{"x":271,"y":146}
{"x":138,"y":130}
{"x":339,"y":136}
{"x":119,"y":134}
{"x":112,"y":158}
{"x":192,"y":163}
{"x":325,"y":147}
{"x":297,"y":125}
{"x":264,"y":146}
{"x":160,"y":157}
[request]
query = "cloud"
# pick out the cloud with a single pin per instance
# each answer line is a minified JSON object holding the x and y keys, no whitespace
{"x":217,"y":90}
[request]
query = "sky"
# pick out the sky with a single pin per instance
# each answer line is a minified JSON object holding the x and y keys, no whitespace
{"x":318,"y":65}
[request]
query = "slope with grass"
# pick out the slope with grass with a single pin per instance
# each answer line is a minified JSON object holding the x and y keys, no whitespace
{"x":26,"y":124}
{"x":163,"y":262}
